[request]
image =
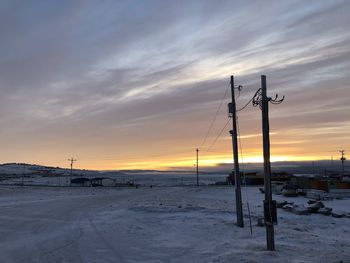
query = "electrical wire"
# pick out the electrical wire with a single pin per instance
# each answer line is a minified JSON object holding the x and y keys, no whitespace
{"x":217,"y":137}
{"x":245,"y":105}
{"x":215,"y":115}
{"x":244,"y":177}
{"x":253,"y":100}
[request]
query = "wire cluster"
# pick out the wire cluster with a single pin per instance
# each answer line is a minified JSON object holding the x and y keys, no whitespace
{"x":258,"y":99}
{"x":276,"y":100}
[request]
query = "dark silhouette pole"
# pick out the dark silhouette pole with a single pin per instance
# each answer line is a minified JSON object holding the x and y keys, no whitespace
{"x":72,"y":160}
{"x":238,"y":193}
{"x":342,"y":161}
{"x":197,"y":167}
{"x":270,"y":238}
{"x":270,"y":210}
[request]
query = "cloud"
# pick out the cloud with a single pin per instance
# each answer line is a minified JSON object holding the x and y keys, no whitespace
{"x":107,"y":74}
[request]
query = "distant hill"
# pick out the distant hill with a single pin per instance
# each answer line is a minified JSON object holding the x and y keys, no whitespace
{"x":24,"y":168}
{"x":319,"y":167}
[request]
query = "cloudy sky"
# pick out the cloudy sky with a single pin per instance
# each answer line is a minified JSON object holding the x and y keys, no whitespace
{"x":136,"y":84}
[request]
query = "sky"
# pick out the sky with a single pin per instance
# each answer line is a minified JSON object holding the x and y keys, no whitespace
{"x":136,"y":84}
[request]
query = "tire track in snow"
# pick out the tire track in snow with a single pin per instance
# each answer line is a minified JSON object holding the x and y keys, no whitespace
{"x":106,"y":243}
{"x":54,"y":251}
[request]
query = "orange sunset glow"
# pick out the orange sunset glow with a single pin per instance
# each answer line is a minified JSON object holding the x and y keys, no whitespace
{"x":139,"y":88}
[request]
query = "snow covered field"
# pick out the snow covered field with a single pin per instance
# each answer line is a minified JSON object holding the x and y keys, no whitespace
{"x":159,"y":224}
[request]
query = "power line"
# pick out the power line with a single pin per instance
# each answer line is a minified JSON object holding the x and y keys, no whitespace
{"x":245,"y":105}
{"x":215,"y":115}
{"x":255,"y":94}
{"x":212,"y":123}
{"x":244,"y":176}
{"x":217,"y":137}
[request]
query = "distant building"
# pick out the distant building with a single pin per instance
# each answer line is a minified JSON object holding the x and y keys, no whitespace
{"x":97,"y":181}
{"x":102,"y":181}
{"x":80,"y":182}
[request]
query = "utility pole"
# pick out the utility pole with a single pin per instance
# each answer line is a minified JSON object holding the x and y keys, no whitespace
{"x":270,"y":210}
{"x":233,"y":114}
{"x":197,"y":167}
{"x":332,"y":162}
{"x":72,"y":160}
{"x":23,"y":172}
{"x":342,"y":161}
{"x":270,"y":235}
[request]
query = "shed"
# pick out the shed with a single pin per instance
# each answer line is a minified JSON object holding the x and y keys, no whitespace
{"x":102,"y":181}
{"x":81,"y":181}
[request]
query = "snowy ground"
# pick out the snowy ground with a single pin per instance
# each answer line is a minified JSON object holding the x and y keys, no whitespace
{"x":159,"y":224}
{"x":145,"y":179}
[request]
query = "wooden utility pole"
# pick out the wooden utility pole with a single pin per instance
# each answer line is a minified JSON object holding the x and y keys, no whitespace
{"x":23,"y":173}
{"x":342,"y":161}
{"x":238,"y":193}
{"x":332,"y":161}
{"x":268,"y":203}
{"x":72,"y":160}
{"x":197,"y":150}
{"x":270,"y":209}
